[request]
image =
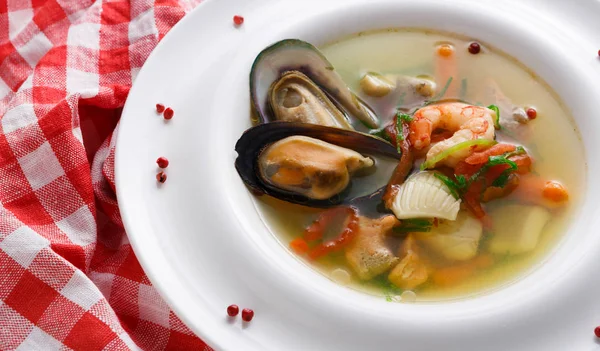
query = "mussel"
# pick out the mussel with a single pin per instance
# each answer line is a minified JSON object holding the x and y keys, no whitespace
{"x":311,"y":164}
{"x":311,"y":71}
{"x":295,"y":98}
{"x":390,"y":92}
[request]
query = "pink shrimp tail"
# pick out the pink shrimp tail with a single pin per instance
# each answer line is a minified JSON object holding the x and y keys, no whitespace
{"x":420,"y":133}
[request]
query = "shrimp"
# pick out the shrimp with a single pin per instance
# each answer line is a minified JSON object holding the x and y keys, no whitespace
{"x":467,"y":122}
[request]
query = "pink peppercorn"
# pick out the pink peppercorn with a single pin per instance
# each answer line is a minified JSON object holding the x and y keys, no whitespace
{"x":247,"y":314}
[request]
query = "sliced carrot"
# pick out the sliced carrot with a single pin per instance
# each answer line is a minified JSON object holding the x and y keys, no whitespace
{"x":555,"y":191}
{"x":299,"y":246}
{"x":482,"y":157}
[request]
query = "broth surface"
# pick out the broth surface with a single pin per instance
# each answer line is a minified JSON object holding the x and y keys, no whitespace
{"x":553,"y":143}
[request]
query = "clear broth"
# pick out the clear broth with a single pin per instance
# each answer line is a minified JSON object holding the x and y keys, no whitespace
{"x":553,"y":143}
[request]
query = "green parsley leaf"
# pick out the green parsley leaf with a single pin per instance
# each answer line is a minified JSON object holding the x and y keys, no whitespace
{"x":456,"y":188}
{"x":404,"y":117}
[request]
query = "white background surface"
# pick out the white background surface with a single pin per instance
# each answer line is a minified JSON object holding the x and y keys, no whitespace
{"x":201,"y":241}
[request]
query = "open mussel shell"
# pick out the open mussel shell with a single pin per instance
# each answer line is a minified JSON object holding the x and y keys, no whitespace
{"x":252,"y":143}
{"x":297,"y":55}
{"x":296,"y":98}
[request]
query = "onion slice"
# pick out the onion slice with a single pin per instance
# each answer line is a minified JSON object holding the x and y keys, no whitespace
{"x":423,"y":195}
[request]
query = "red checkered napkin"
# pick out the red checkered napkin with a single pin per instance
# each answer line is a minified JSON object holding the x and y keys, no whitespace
{"x":68,"y":276}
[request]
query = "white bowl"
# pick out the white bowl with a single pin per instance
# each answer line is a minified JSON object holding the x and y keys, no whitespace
{"x":202,"y":242}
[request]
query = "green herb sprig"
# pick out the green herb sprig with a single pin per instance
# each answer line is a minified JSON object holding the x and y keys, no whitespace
{"x":413,"y":225}
{"x":459,"y":186}
{"x":496,"y":109}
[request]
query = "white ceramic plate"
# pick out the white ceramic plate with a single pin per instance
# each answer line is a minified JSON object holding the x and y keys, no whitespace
{"x":204,"y":247}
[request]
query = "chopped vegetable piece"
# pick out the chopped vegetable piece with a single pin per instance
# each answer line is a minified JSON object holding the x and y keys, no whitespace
{"x":404,"y":117}
{"x":317,"y":228}
{"x":455,"y":240}
{"x":465,"y":169}
{"x":473,"y":199}
{"x":555,"y":191}
{"x":499,"y":176}
{"x":523,"y":163}
{"x":497,"y":118}
{"x":299,"y":246}
{"x":458,"y":147}
{"x":343,"y":240}
{"x":457,"y":188}
{"x":454,"y":275}
{"x":413,"y":225}
{"x":482,"y":157}
{"x":517,"y":228}
{"x":496,"y":192}
{"x":423,"y":195}
{"x":402,"y":169}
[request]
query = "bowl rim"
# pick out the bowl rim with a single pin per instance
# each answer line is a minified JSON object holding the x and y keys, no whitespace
{"x":340,"y":25}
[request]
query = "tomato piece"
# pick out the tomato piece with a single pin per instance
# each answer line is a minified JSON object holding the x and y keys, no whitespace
{"x":473,"y":199}
{"x":482,"y":157}
{"x":494,"y":192}
{"x":463,"y":168}
{"x":343,"y":240}
{"x":523,"y":163}
{"x":402,"y":169}
{"x":317,"y":228}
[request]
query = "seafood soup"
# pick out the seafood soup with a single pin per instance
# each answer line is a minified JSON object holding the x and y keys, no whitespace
{"x":412,"y":165}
